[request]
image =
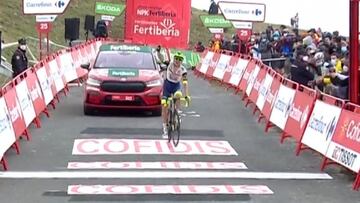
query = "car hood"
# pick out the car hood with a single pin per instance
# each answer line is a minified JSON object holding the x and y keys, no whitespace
{"x":124,"y":74}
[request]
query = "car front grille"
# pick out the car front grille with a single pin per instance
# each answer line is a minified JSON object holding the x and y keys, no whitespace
{"x":114,"y":86}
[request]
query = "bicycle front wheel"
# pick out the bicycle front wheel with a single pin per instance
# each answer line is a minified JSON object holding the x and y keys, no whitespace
{"x":176,"y":132}
{"x":170,"y":125}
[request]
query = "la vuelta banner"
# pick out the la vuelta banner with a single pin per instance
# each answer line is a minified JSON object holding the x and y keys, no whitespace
{"x":158,"y":22}
{"x":344,"y":147}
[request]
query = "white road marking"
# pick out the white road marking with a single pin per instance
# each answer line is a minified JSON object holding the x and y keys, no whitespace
{"x":163,"y":174}
{"x":144,"y":146}
{"x":157,"y":165}
{"x":166,"y":189}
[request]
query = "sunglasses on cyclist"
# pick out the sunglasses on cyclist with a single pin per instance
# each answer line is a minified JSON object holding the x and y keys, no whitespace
{"x":178,"y":58}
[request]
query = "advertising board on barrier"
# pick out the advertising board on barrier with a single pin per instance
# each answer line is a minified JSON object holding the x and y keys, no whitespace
{"x":238,"y":72}
{"x":221,"y":66}
{"x":35,"y":92}
{"x":7,"y":135}
{"x":251,"y":80}
{"x":321,"y":126}
{"x":246,"y":77}
{"x":45,"y":84}
{"x":25,"y":102}
{"x":158,"y":22}
{"x":282,"y":106}
{"x":345,"y":144}
{"x":259,"y":80}
{"x":264,"y":89}
{"x":206,"y":62}
{"x":68,"y":66}
{"x":299,"y":114}
{"x":56,"y":75}
{"x":16,"y":114}
{"x":213,"y":63}
{"x":271,"y":96}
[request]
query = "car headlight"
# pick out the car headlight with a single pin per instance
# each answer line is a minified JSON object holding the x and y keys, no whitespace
{"x":154,"y":83}
{"x":93,"y":82}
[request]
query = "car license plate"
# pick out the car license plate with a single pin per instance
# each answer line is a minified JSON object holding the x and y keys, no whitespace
{"x":122,"y":98}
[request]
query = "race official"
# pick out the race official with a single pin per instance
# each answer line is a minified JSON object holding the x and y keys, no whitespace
{"x":19,"y":60}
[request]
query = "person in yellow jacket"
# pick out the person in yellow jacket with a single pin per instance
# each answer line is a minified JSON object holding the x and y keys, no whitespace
{"x":217,"y":45}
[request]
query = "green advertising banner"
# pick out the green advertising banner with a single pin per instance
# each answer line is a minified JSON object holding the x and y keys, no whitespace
{"x":109,"y":8}
{"x":191,"y":58}
{"x":215,"y":21}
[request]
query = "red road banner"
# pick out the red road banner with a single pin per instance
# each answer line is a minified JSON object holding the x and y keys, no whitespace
{"x":205,"y":63}
{"x":213,"y":63}
{"x":345,"y":145}
{"x":264,"y":89}
{"x":221,"y":66}
{"x":229,"y":69}
{"x":259,"y":80}
{"x":35,"y":92}
{"x":158,"y":22}
{"x":16,"y":114}
{"x":300,"y":112}
{"x":7,"y":135}
{"x":246,"y":77}
{"x":251,"y":81}
{"x":271,"y":95}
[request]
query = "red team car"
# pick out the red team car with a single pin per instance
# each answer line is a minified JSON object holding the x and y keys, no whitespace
{"x":125,"y":77}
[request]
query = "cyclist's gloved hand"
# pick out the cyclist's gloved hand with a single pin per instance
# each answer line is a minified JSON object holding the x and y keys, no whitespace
{"x":188,"y":99}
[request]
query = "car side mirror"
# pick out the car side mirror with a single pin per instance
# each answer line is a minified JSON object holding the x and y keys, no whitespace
{"x":85,"y":66}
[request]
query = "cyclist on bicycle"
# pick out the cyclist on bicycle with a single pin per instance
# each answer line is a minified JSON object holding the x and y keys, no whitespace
{"x":175,"y":74}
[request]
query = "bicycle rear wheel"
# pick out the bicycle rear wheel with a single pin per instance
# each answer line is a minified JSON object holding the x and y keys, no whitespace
{"x":176,"y":132}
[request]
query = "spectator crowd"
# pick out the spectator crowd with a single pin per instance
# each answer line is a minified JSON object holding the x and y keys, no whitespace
{"x":314,"y":58}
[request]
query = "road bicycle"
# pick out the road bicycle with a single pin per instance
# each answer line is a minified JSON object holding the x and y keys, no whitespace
{"x":174,"y":120}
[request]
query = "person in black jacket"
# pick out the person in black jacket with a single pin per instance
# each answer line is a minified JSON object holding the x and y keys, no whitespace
{"x":19,"y":60}
{"x":300,"y":73}
{"x":213,"y":9}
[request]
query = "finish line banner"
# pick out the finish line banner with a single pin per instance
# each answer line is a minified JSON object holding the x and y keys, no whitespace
{"x":158,"y":22}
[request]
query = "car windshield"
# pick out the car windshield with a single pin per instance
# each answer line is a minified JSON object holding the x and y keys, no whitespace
{"x":124,"y":59}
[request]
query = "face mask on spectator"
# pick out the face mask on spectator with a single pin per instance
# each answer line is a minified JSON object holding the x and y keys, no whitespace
{"x":23,"y":47}
{"x":276,"y":38}
{"x":345,"y":68}
{"x":333,"y":61}
{"x":343,"y":49}
{"x":305,"y":58}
